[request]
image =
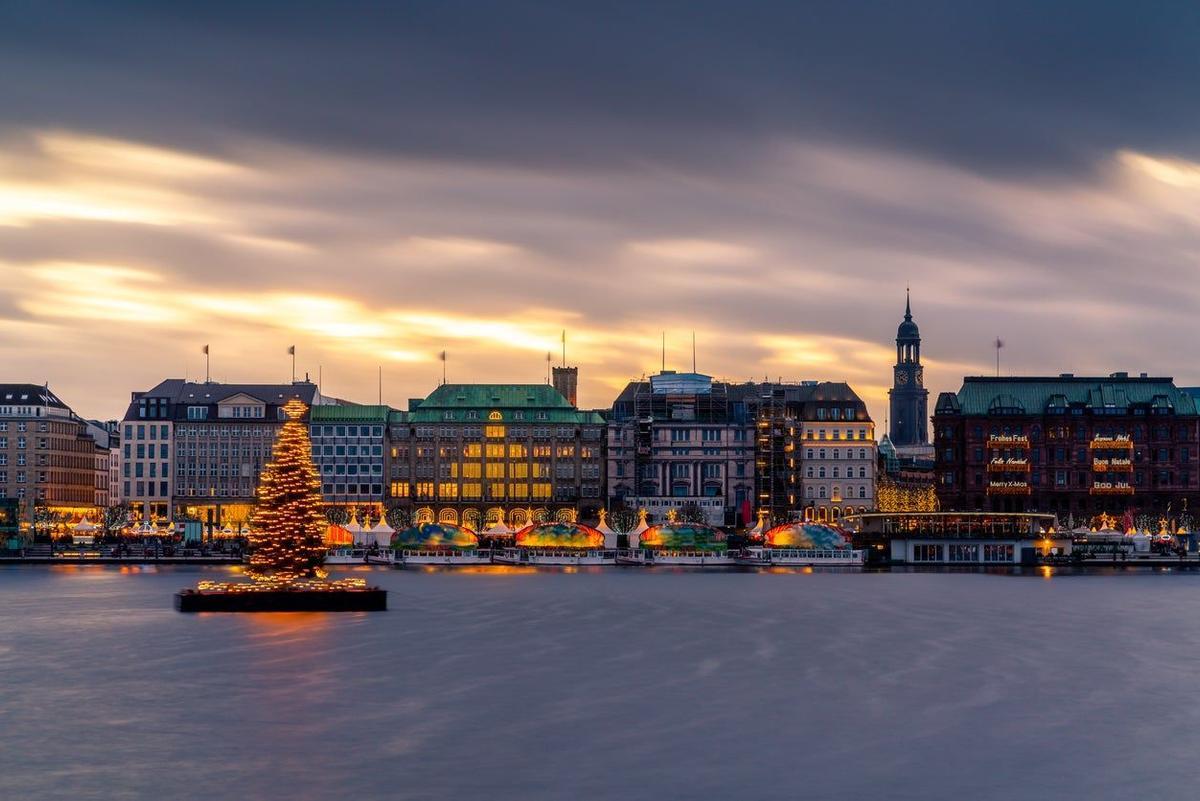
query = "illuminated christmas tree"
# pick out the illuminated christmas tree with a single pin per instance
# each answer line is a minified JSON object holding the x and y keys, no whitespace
{"x":286,"y":537}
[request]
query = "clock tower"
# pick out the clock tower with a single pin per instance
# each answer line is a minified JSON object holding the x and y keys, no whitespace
{"x":908,"y":397}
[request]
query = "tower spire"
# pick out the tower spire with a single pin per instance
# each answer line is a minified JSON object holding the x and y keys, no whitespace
{"x":907,"y":305}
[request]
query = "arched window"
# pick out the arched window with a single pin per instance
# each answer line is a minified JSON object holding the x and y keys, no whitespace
{"x":821,"y":492}
{"x":494,"y":415}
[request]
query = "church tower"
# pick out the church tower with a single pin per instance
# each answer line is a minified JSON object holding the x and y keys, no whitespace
{"x":909,"y":399}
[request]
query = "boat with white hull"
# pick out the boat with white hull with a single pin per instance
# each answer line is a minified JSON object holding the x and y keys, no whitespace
{"x":801,"y":557}
{"x":646,"y":557}
{"x":481,"y":556}
{"x":554,"y":556}
{"x":346,"y":556}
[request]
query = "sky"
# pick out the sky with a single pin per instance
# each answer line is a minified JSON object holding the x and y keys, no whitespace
{"x":377,"y":183}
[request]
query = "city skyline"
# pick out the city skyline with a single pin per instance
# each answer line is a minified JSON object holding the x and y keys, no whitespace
{"x":777,"y":206}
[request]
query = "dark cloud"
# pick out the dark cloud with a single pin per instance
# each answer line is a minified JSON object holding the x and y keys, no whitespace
{"x":1008,"y":86}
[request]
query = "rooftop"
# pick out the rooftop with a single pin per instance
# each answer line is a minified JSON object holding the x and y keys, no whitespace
{"x":981,"y":395}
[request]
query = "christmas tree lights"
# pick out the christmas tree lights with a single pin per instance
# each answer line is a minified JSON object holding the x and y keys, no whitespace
{"x":286,"y":535}
{"x":287,"y":551}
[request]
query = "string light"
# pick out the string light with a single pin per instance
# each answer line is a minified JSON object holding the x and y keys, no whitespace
{"x":286,"y":547}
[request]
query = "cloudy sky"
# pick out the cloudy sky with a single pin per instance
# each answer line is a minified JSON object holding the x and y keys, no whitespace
{"x":375,"y":186}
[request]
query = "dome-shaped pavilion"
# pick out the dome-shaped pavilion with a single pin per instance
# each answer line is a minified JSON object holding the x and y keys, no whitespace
{"x":805,"y":535}
{"x":435,"y":536}
{"x":684,"y":537}
{"x":559,"y":535}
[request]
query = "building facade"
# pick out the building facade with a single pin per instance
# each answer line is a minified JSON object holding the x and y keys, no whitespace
{"x":682,"y":440}
{"x":814,"y":450}
{"x":48,"y":460}
{"x":196,"y":450}
{"x":475,"y":454}
{"x":839,"y":456}
{"x":908,"y":399}
{"x":1071,"y":445}
{"x":349,"y":446}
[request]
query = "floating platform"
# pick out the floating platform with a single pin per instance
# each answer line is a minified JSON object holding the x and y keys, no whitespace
{"x":367,"y":599}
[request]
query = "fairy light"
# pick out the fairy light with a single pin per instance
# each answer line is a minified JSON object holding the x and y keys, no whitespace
{"x":286,"y":538}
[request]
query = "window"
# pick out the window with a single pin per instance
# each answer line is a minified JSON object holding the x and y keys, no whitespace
{"x":957,"y":552}
{"x":927,"y":553}
{"x":997,"y":553}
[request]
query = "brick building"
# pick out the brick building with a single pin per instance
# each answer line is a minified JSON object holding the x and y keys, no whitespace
{"x":1068,"y":444}
{"x":48,"y":460}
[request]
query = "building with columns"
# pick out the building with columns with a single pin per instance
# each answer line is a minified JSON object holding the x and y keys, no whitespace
{"x":682,"y":439}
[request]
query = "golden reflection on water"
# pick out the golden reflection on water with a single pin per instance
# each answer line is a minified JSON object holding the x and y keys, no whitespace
{"x":490,"y":570}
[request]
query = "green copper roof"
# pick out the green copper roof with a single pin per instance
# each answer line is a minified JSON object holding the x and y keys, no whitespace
{"x":979,"y":394}
{"x":529,"y":403}
{"x":330,"y":414}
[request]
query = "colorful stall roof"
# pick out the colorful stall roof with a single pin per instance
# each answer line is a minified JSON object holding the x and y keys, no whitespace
{"x":435,"y":536}
{"x":559,"y":535}
{"x":336,"y":535}
{"x":805,"y":535}
{"x":683,"y":537}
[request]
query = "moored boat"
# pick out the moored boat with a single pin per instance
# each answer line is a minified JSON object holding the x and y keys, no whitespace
{"x":682,"y":545}
{"x":647,"y":557}
{"x":555,"y":556}
{"x":443,"y":556}
{"x":557,"y":543}
{"x":346,"y":556}
{"x":438,"y":544}
{"x":802,"y":544}
{"x":801,"y":557}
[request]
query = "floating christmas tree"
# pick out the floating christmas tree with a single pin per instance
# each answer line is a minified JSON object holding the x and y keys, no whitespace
{"x":286,"y":550}
{"x":286,"y":537}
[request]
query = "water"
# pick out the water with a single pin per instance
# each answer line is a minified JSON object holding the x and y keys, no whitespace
{"x":618,"y":684}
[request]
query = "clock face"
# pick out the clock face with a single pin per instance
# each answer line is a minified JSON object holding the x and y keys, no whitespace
{"x":920,"y":377}
{"x":901,"y":378}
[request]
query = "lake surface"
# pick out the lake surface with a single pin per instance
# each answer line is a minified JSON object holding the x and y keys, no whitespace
{"x":615,"y":684}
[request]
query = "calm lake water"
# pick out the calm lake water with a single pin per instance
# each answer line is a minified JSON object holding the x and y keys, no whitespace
{"x":621,"y":684}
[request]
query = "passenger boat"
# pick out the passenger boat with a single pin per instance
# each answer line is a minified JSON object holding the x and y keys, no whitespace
{"x":648,"y":557}
{"x":681,"y":544}
{"x":801,"y":545}
{"x":346,"y":556}
{"x":554,"y":556}
{"x":443,"y":556}
{"x":556,"y":543}
{"x":385,"y":556}
{"x":800,"y":557}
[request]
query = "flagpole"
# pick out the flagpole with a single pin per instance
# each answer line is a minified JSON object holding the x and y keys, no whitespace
{"x":207,"y":374}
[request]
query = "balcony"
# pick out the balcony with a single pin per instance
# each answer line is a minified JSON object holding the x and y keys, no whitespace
{"x":1111,"y":488}
{"x":1100,"y":465}
{"x":1008,"y":466}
